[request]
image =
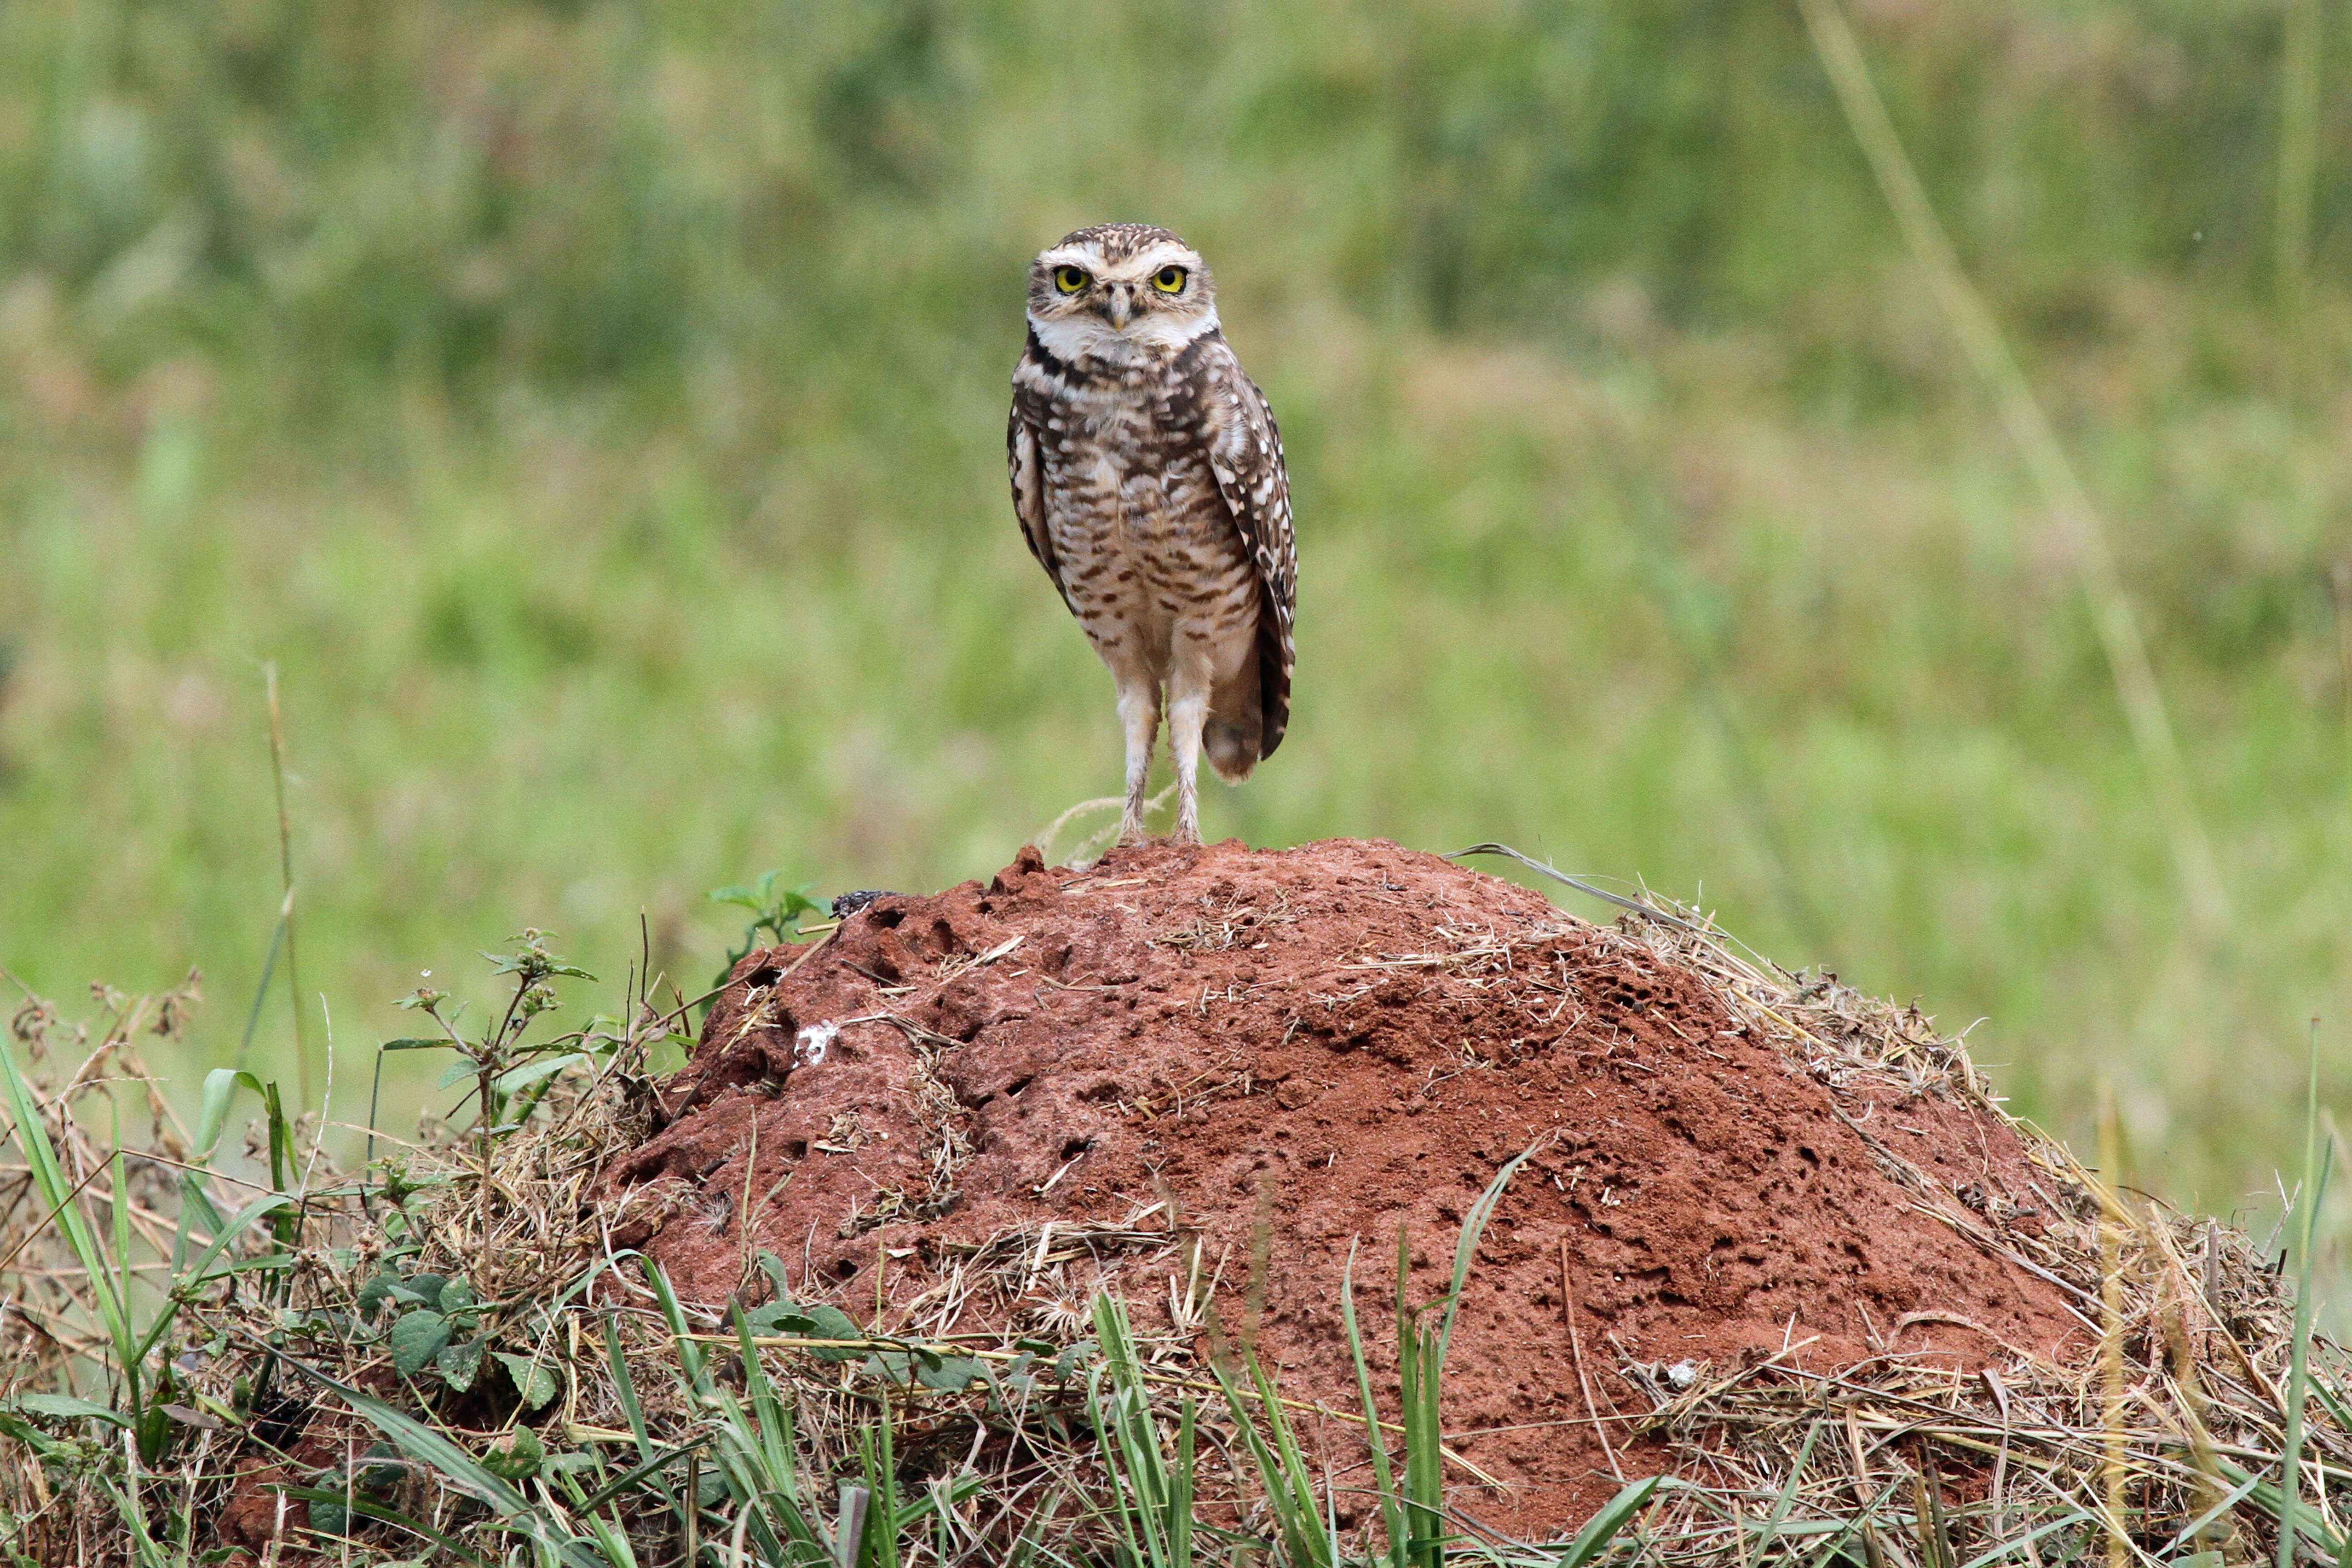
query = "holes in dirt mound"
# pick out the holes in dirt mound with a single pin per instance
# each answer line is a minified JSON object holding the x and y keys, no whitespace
{"x":760,"y":979}
{"x":971,"y":1096}
{"x":748,"y":1068}
{"x":1103,"y":1093}
{"x":1633,"y":995}
{"x":1074,"y":1147}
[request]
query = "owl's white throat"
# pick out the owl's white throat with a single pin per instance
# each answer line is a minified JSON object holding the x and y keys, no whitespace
{"x":1077,"y":338}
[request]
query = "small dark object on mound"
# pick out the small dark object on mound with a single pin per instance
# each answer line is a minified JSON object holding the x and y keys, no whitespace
{"x":848,"y":904}
{"x":1210,"y":1074}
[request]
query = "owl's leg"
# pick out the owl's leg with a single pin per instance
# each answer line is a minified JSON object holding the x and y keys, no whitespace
{"x":1139,"y":715}
{"x":1188,"y":712}
{"x":1185,"y":718}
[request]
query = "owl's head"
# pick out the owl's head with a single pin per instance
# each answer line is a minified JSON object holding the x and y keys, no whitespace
{"x":1119,"y":291}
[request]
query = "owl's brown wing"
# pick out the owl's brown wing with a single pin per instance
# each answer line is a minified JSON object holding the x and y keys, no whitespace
{"x":1245,"y":454}
{"x":1029,"y":496}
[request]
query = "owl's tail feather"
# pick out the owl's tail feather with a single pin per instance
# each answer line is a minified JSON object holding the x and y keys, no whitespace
{"x":1235,"y":726}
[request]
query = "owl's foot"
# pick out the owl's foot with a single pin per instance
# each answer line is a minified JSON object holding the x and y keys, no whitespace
{"x":1131,"y":833}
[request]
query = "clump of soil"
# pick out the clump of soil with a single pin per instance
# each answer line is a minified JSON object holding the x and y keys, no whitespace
{"x":1203,"y":1075}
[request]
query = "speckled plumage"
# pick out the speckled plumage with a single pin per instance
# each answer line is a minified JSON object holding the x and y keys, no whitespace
{"x":1148,"y":476}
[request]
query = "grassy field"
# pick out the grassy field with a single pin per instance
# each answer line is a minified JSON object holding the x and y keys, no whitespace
{"x":594,"y":413}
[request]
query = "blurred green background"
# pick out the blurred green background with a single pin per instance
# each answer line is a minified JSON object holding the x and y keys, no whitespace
{"x":595,"y":411}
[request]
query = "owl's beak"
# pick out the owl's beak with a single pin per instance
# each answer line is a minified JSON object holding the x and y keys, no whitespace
{"x":1122,"y":305}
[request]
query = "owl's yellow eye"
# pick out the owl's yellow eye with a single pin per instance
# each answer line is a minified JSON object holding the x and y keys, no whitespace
{"x":1069,"y":279}
{"x":1169,"y":280}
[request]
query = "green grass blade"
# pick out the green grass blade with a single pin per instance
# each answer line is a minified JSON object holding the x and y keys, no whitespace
{"x":58,"y":1196}
{"x":261,"y":989}
{"x":2011,"y":1547}
{"x":1619,"y":1511}
{"x":2317,"y":1162}
{"x":220,"y":1085}
{"x":773,"y":1430}
{"x":624,"y":1388}
{"x":1392,"y":1507}
{"x":628,"y":1478}
{"x":690,"y":1359}
{"x":194,"y":1274}
{"x":1781,"y":1504}
{"x":1474,"y":1226}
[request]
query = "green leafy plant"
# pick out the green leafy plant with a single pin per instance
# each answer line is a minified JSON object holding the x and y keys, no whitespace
{"x":773,"y":910}
{"x":510,"y":1077}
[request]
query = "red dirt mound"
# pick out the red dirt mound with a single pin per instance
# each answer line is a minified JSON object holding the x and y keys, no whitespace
{"x":1279,"y":1053}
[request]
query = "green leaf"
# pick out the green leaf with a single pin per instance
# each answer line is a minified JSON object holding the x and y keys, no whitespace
{"x":384,"y":1287}
{"x":459,"y":1072}
{"x":456,"y":1296}
{"x":379,"y":1477}
{"x":782,"y":1318}
{"x":515,"y":1456}
{"x":427,"y":1289}
{"x":416,"y":1338}
{"x":833,"y":1323}
{"x":418,"y":1046}
{"x":220,"y":1085}
{"x":328,"y":1514}
{"x":15,"y":1426}
{"x":460,"y":1363}
{"x":515,"y":1079}
{"x":68,"y":1407}
{"x":763,"y":899}
{"x":534,"y":1381}
{"x":952,"y":1375}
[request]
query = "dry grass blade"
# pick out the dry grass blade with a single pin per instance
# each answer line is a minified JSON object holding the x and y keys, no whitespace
{"x":2070,"y":505}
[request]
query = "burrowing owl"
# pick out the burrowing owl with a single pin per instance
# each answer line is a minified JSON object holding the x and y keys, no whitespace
{"x":1148,"y":476}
